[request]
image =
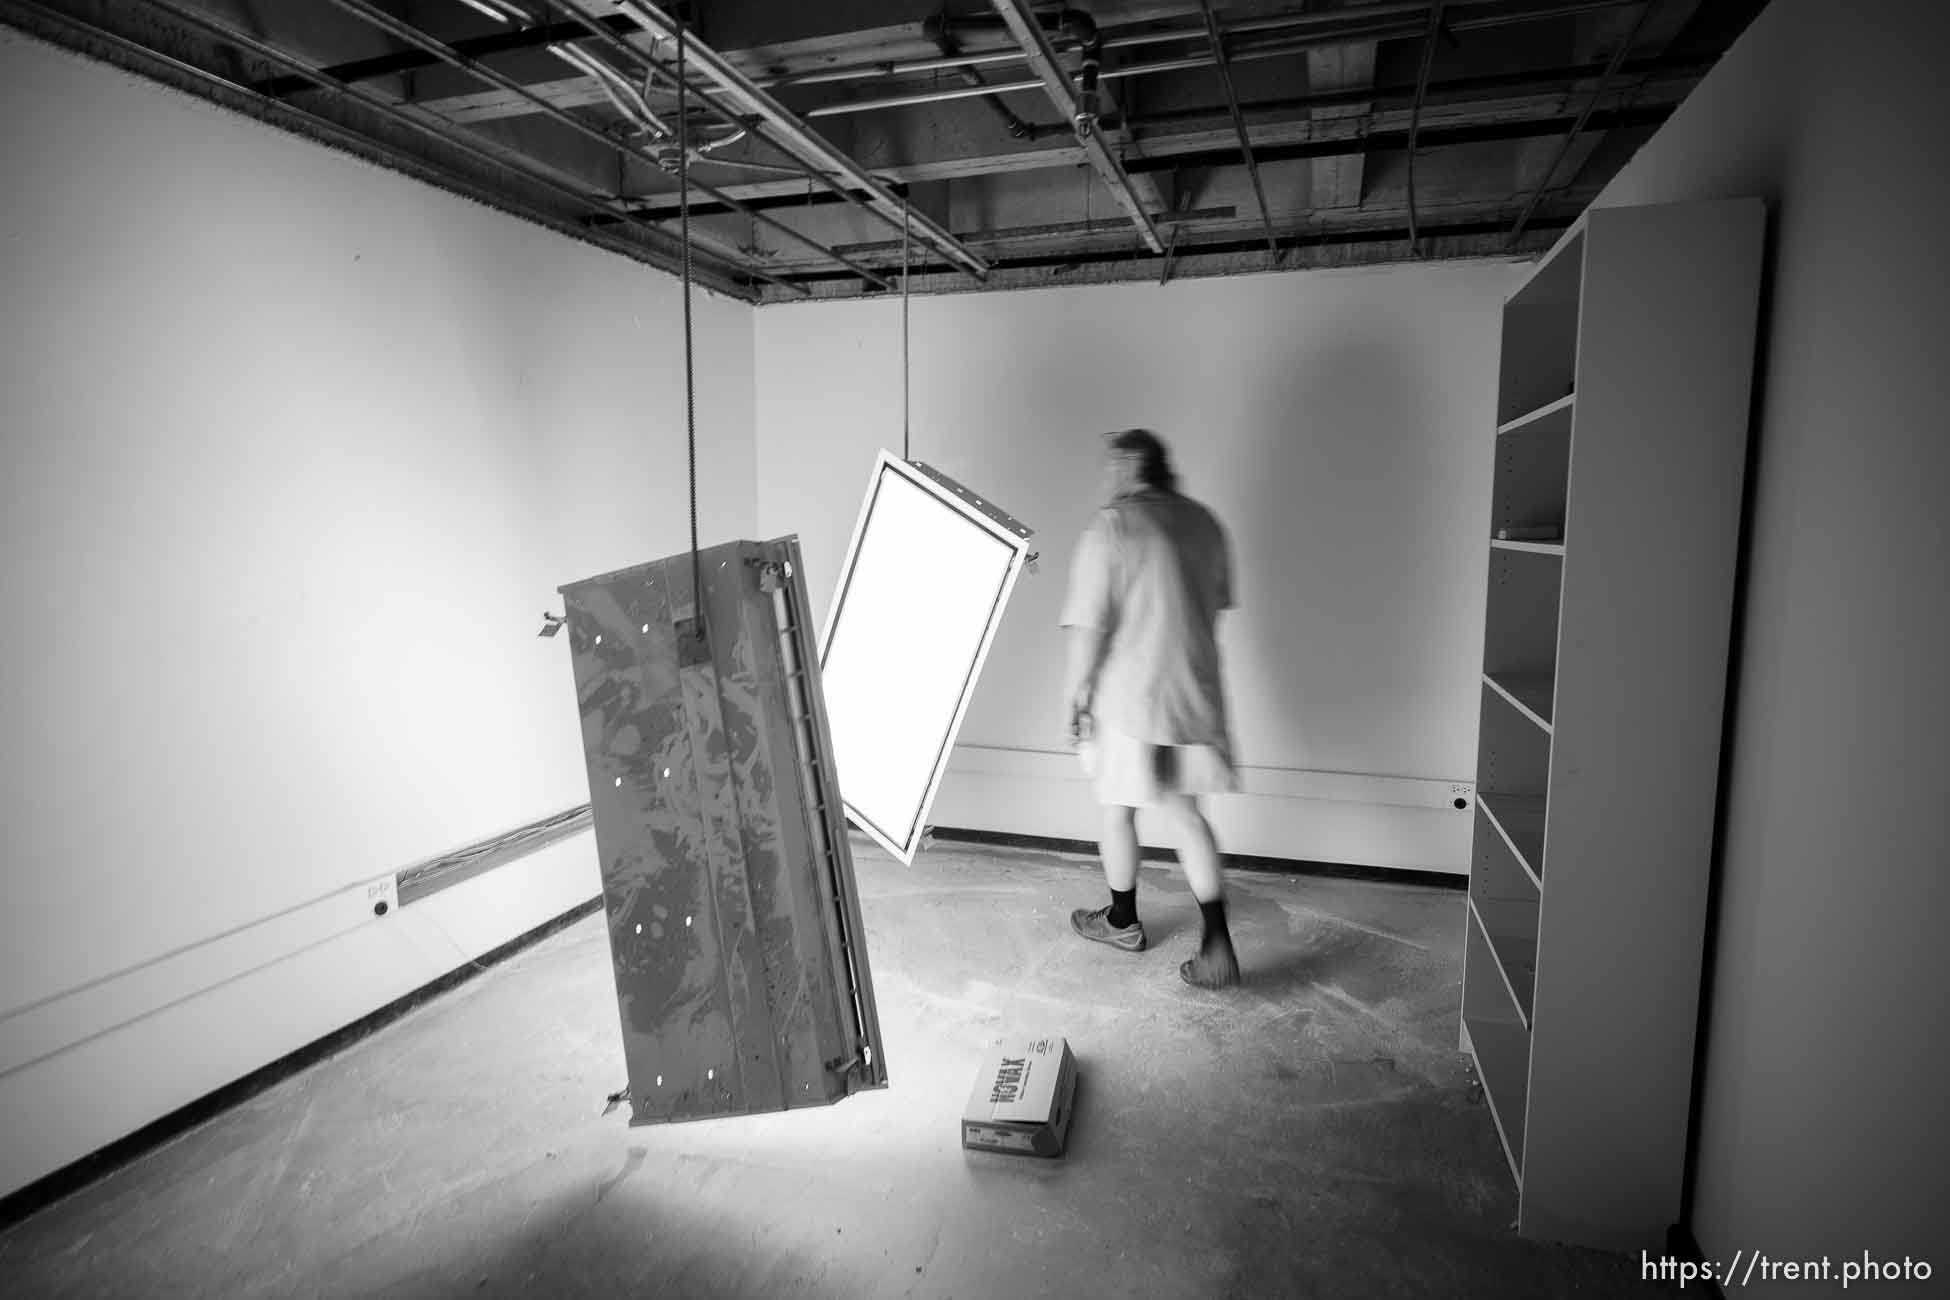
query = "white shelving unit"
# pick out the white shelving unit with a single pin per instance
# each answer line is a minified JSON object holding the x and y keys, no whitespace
{"x":1622,"y":416}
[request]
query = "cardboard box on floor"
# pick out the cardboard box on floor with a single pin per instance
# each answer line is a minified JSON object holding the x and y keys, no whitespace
{"x":1022,"y":1097}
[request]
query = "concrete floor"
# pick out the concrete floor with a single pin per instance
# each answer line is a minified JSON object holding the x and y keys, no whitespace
{"x":1312,"y":1134}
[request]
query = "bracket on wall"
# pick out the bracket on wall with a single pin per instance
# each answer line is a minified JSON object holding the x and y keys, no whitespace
{"x":450,"y":869}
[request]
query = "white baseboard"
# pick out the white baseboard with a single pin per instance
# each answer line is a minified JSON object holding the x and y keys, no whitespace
{"x":83,"y":1069}
{"x":1402,"y":823}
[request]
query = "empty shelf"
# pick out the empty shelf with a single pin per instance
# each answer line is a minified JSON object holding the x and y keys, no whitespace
{"x":1530,"y":693}
{"x":1502,"y":1053}
{"x":1559,"y":408}
{"x":1520,"y":820}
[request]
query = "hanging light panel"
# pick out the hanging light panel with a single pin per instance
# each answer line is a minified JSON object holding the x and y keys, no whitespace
{"x":926,"y":579}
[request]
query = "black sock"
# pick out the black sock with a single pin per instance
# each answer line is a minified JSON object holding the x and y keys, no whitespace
{"x":1123,"y":907}
{"x":1216,"y":934}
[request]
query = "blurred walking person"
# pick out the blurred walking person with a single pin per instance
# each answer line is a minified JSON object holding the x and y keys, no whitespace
{"x":1145,"y":703}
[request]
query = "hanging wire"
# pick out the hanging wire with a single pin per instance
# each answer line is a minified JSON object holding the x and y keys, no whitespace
{"x":906,"y":431}
{"x":690,"y":388}
{"x":1415,"y":119}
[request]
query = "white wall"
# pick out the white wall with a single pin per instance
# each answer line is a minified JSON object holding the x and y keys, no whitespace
{"x":1339,"y":422}
{"x":1822,"y":1130}
{"x":296,"y":452}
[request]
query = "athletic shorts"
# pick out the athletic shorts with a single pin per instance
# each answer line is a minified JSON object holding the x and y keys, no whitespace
{"x":1131,"y":773}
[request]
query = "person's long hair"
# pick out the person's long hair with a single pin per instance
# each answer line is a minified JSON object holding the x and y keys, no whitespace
{"x":1154,"y":461}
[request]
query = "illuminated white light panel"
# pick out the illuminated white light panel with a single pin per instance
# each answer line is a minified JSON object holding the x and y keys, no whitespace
{"x":926,"y":579}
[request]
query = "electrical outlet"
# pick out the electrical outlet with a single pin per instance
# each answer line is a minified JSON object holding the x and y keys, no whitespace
{"x":382,"y":895}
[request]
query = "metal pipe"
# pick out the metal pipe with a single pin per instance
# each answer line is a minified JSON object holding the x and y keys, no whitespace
{"x":500,"y":11}
{"x":1028,"y":31}
{"x":1092,"y":52}
{"x":1359,"y":248}
{"x":796,"y":137}
{"x":1366,"y":15}
{"x":1249,"y":54}
{"x":1538,"y":80}
{"x":903,"y":68}
{"x":722,"y":141}
{"x":1217,"y":38}
{"x":1377,"y":141}
{"x":446,"y":54}
{"x":620,"y":88}
{"x":628,"y":100}
{"x":601,"y":30}
{"x":923,"y":97}
{"x":1245,"y":54}
{"x":1584,"y":115}
{"x":467,"y":142}
{"x":1415,"y":115}
{"x":630,"y":91}
{"x":623,"y":110}
{"x":387,"y":65}
{"x":1054,"y":230}
{"x":1350,"y":144}
{"x":1015,"y":126}
{"x":1540,"y":13}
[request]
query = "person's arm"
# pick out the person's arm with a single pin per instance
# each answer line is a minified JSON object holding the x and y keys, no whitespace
{"x":1087,"y":616}
{"x":1080,"y":684}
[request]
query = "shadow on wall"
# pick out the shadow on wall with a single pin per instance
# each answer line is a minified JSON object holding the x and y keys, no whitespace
{"x":1320,"y":470}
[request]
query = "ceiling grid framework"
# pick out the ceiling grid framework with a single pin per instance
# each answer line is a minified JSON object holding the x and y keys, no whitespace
{"x":1021,"y":144}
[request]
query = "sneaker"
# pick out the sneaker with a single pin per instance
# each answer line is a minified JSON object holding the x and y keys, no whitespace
{"x":1218,"y":969}
{"x":1096,"y":925}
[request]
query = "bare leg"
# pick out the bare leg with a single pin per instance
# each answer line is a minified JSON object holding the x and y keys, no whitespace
{"x":1216,"y":966}
{"x":1198,"y":851}
{"x":1120,"y":847}
{"x":1117,"y":924}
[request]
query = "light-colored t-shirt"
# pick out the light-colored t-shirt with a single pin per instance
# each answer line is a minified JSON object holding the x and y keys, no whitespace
{"x":1153,"y":570}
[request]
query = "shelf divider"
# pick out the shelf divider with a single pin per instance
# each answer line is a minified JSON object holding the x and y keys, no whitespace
{"x":1528,"y":694}
{"x":1519,"y":819}
{"x":1502,"y":970}
{"x":1502,"y":1052}
{"x":1544,"y":412}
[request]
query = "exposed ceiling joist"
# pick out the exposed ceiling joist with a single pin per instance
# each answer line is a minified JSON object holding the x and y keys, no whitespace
{"x":1340,"y":83}
{"x":447,"y":54}
{"x":1266,"y":113}
{"x":1350,"y":247}
{"x":1415,"y":115}
{"x":1218,"y":40}
{"x":1383,"y":140}
{"x":476,"y":47}
{"x":1206,"y":151}
{"x":649,"y":243}
{"x":1137,"y":204}
{"x":1584,"y":117}
{"x":786,"y":132}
